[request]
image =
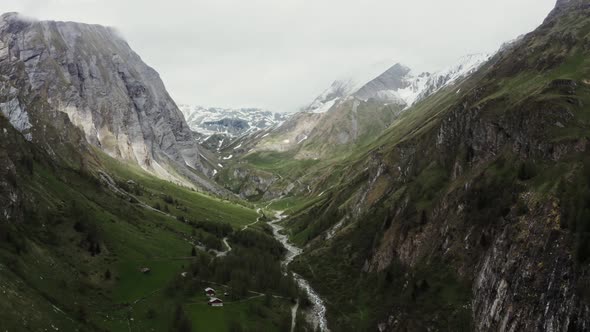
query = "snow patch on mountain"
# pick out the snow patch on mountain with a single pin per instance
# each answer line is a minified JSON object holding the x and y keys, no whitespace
{"x":344,"y":87}
{"x":323,"y":107}
{"x":466,"y":66}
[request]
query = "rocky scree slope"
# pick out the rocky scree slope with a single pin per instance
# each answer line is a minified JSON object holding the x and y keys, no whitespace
{"x":63,"y":77}
{"x":470,"y":213}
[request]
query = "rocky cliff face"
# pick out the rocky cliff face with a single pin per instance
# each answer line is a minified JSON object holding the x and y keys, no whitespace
{"x":393,"y":85}
{"x":521,"y":266}
{"x":90,"y":74}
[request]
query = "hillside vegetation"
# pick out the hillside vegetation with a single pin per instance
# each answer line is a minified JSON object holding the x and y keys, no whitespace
{"x":466,"y":210}
{"x":72,"y":254}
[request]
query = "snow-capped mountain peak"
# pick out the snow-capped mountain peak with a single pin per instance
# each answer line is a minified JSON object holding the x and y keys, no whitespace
{"x":325,"y":101}
{"x":397,"y":85}
{"x":346,"y":86}
{"x":464,"y":67}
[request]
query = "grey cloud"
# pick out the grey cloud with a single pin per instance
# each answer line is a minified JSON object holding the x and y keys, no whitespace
{"x":279,"y":54}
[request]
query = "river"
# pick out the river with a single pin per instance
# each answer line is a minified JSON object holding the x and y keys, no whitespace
{"x":317,"y":313}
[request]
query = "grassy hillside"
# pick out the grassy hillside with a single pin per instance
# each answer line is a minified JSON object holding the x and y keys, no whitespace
{"x":294,"y":157}
{"x":72,"y":262}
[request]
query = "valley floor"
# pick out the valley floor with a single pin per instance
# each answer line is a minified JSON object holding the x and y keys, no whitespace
{"x":134,"y":253}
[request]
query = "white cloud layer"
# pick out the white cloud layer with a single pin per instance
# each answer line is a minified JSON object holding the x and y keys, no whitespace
{"x":279,"y":54}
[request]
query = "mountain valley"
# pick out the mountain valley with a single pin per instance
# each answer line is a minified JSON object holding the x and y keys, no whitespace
{"x":457,"y":200}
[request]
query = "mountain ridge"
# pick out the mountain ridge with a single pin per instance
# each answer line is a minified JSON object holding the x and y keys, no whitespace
{"x":398,"y":84}
{"x":463,"y":213}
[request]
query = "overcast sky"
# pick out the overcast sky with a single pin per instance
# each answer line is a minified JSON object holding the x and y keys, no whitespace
{"x":280,"y":54}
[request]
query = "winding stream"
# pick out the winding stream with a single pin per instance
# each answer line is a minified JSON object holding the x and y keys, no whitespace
{"x":317,"y":312}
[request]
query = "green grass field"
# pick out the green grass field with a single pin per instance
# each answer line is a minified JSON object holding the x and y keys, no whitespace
{"x":199,"y":206}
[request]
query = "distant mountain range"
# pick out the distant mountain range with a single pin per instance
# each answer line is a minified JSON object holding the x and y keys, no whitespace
{"x":399,"y":86}
{"x":231,"y":122}
{"x":380,"y":96}
{"x":351,"y":111}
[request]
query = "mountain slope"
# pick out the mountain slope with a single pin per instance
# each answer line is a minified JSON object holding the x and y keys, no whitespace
{"x":470,"y":212}
{"x":342,"y":120}
{"x":380,"y":101}
{"x":91,"y":75}
{"x":397,"y":85}
{"x":73,"y":243}
{"x":451,"y":75}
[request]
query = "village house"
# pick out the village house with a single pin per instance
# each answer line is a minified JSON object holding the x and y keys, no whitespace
{"x":215,"y":302}
{"x":209,"y":291}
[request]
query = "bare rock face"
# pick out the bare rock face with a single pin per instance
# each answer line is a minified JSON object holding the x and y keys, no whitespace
{"x":89,"y":73}
{"x":532,"y":283}
{"x":564,"y":5}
